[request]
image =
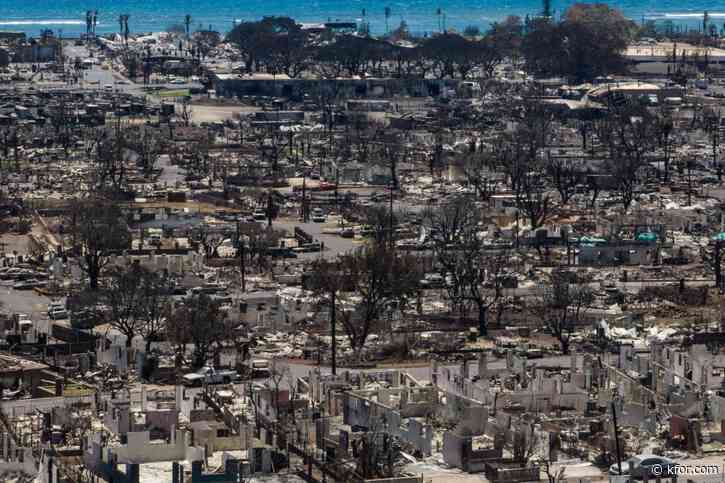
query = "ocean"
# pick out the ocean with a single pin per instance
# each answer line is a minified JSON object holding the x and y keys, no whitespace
{"x":67,"y":17}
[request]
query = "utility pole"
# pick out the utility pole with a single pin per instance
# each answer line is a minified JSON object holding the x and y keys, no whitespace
{"x":392,"y":238}
{"x":337,"y":185}
{"x":240,"y":249}
{"x":333,"y":322}
{"x":270,"y":208}
{"x":718,"y":261}
{"x":568,"y":251}
{"x":616,"y":440}
{"x":304,"y":198}
{"x":308,"y":454}
{"x":715,"y":128}
{"x":689,"y":182}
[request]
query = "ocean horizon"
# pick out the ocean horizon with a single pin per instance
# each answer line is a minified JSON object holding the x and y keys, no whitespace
{"x":67,"y":17}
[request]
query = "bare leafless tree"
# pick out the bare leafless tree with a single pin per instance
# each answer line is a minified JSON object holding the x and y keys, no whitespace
{"x":564,"y":174}
{"x":97,"y":228}
{"x":328,"y":281}
{"x":477,"y":169}
{"x":376,"y":452}
{"x":381,"y":222}
{"x":378,"y":277}
{"x":565,"y":305}
{"x":147,"y":145}
{"x":123,"y":295}
{"x":533,"y":198}
{"x":526,"y":443}
{"x":258,"y":240}
{"x":475,"y":272}
{"x":200,"y":321}
{"x":36,"y":249}
{"x":187,"y":112}
{"x":629,"y":133}
{"x":155,"y":307}
{"x":554,"y":475}
{"x":210,"y":239}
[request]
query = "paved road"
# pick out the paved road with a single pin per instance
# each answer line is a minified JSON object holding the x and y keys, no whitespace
{"x":334,"y":244}
{"x":98,"y":78}
{"x":93,"y":74}
{"x":23,"y":302}
{"x":171,"y":173}
{"x":212,"y":113}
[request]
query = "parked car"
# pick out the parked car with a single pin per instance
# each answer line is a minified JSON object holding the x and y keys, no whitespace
{"x":433,"y":280}
{"x":209,"y":375}
{"x":85,"y":318}
{"x":259,"y":369}
{"x":29,"y":284}
{"x":318,"y":216}
{"x":639,"y":466}
{"x":55,"y":305}
{"x":58,"y":313}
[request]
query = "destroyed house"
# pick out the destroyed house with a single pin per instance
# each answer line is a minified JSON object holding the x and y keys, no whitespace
{"x":617,"y":252}
{"x":399,"y":411}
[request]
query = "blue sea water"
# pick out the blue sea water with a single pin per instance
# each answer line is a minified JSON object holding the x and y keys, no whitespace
{"x":68,"y":16}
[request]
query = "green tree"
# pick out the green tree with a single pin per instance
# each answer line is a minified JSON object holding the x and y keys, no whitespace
{"x":596,"y":38}
{"x":543,"y":47}
{"x":546,"y":10}
{"x":507,"y":36}
{"x":472,"y":31}
{"x":452,"y":54}
{"x":278,"y":43}
{"x":588,"y":42}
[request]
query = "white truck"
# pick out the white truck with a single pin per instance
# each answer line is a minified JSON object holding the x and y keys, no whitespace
{"x":318,"y":216}
{"x":209,"y":375}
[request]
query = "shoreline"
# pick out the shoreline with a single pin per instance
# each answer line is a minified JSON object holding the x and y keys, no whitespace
{"x":418,"y":24}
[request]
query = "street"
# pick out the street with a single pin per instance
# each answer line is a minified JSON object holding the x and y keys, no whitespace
{"x":24,"y":301}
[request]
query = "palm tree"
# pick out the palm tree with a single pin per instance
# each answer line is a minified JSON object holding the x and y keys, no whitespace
{"x":123,"y":25}
{"x":546,"y":12}
{"x":365,"y":25}
{"x":705,"y":21}
{"x":438,"y":14}
{"x":187,"y":23}
{"x":387,"y":18}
